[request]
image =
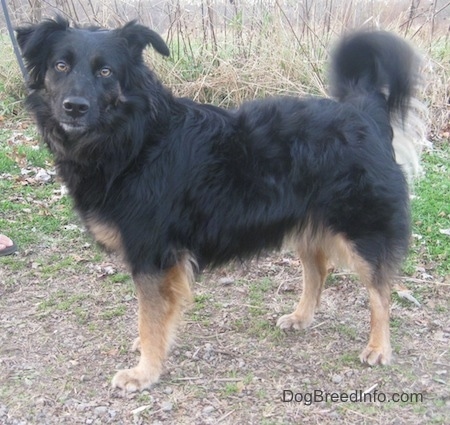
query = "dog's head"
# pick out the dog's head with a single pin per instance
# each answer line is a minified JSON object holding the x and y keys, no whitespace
{"x":83,"y":72}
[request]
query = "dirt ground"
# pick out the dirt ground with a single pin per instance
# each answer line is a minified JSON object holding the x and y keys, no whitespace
{"x":63,"y":336}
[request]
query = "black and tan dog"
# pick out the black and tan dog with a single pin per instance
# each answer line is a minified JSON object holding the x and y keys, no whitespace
{"x":174,"y":185}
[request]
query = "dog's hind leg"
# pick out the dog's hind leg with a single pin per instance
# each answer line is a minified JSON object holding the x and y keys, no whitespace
{"x":314,"y":274}
{"x":161,"y":300}
{"x":378,"y":350}
{"x":377,"y":281}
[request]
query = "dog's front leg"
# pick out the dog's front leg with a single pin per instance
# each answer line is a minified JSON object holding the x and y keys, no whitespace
{"x":161,"y":299}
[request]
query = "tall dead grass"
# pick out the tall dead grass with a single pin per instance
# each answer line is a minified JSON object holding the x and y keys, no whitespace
{"x":227,"y":51}
{"x":268,"y":47}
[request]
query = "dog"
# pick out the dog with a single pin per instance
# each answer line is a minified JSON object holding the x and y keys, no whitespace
{"x":176,"y":186}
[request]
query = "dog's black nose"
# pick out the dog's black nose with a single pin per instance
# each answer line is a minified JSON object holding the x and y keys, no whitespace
{"x":76,"y":106}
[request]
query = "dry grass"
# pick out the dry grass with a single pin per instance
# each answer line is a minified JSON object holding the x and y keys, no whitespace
{"x":225,"y":53}
{"x":277,"y":49}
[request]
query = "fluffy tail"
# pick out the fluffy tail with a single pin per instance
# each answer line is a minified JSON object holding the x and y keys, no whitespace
{"x":368,"y":62}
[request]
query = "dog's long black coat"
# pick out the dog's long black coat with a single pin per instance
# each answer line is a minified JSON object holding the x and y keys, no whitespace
{"x":174,"y":175}
{"x":163,"y":179}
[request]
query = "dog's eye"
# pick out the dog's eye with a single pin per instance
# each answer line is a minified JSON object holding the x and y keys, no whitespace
{"x":61,"y":66}
{"x":105,"y":72}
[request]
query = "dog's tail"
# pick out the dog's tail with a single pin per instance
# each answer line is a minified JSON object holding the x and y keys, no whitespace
{"x":368,"y":62}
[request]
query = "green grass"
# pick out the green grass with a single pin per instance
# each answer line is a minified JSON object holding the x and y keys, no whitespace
{"x":34,"y":214}
{"x":256,"y":296}
{"x":61,"y":301}
{"x":347,"y":331}
{"x":231,"y":388}
{"x":115,"y":311}
{"x":431,"y":214}
{"x":120,"y":278}
{"x":199,"y":311}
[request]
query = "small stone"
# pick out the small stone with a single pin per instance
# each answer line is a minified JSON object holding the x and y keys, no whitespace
{"x":166,"y":406}
{"x":226,"y":281}
{"x":42,"y":176}
{"x":100,"y":410}
{"x":109,"y":270}
{"x":337,"y":379}
{"x":334,"y":415}
{"x":208,"y":410}
{"x":168,"y":390}
{"x":40,"y":401}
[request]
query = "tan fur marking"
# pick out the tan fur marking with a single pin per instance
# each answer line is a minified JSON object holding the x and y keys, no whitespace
{"x":105,"y":234}
{"x":161,"y":301}
{"x":378,"y":350}
{"x":315,"y":249}
{"x":314,"y":274}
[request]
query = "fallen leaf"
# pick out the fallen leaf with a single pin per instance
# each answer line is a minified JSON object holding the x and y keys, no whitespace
{"x":406,"y":294}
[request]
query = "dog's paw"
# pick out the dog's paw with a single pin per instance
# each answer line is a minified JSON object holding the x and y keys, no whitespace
{"x":134,"y":379}
{"x":293,"y":321}
{"x":373,"y":355}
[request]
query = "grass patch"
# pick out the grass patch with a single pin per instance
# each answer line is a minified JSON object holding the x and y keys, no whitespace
{"x":347,"y":331}
{"x":115,"y":311}
{"x":120,"y":278}
{"x":199,"y":311}
{"x":431,"y":214}
{"x":36,"y":155}
{"x":231,"y":388}
{"x":257,"y":294}
{"x":35,"y":214}
{"x":61,"y":301}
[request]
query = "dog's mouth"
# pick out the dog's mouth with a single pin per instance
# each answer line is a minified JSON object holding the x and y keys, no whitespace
{"x":73,"y":127}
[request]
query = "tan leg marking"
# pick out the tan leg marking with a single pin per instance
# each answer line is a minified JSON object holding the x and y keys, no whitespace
{"x":314,"y":275}
{"x":161,"y":301}
{"x":315,"y":249}
{"x":378,"y":350}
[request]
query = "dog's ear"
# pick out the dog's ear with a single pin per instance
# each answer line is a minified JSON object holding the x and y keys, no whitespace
{"x":35,"y":43}
{"x":138,"y":37}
